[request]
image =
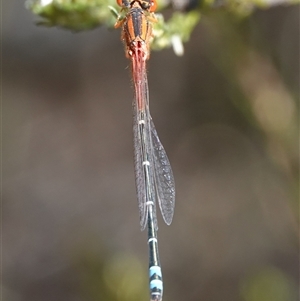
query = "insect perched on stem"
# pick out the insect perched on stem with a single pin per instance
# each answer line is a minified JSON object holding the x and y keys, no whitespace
{"x":153,"y":173}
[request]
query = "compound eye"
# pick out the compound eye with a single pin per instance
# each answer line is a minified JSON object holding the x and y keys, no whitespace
{"x":123,"y":3}
{"x":153,"y":6}
{"x":145,"y":4}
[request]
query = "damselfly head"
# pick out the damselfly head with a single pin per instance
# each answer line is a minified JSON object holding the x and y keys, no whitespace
{"x":148,"y":5}
{"x":124,"y":3}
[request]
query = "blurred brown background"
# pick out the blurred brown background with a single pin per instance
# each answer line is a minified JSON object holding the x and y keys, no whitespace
{"x":227,"y":114}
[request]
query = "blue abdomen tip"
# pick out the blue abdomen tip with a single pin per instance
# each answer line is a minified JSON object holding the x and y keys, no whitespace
{"x":155,"y":270}
{"x":155,"y":283}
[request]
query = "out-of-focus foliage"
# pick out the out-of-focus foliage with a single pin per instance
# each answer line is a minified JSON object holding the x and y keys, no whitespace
{"x":269,"y":284}
{"x":120,"y":277}
{"x":175,"y":31}
{"x":74,"y":15}
{"x":267,"y":102}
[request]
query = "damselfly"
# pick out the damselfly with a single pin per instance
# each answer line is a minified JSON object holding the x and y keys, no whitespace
{"x":153,"y":173}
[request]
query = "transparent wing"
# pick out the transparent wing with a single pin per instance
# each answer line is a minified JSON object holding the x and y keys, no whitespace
{"x":144,"y":176}
{"x":164,"y":179}
{"x":138,"y":169}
